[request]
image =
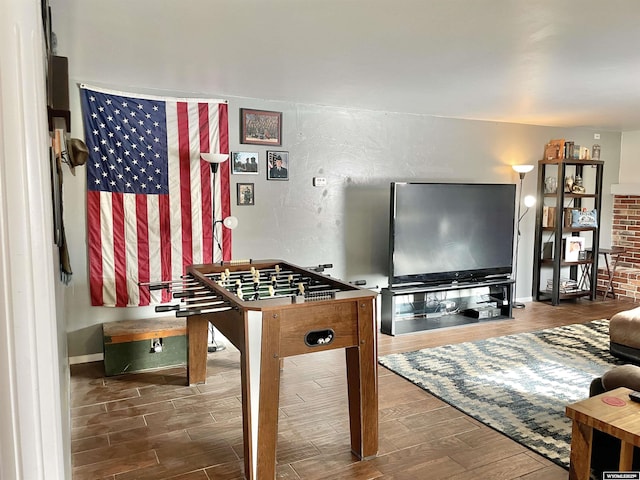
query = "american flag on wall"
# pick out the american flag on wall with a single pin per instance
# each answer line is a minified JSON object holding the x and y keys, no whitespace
{"x":149,"y":194}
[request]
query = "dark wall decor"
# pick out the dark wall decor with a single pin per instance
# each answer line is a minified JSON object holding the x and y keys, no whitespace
{"x":260,"y":127}
{"x":245,"y":194}
{"x":244,"y":163}
{"x":277,"y":165}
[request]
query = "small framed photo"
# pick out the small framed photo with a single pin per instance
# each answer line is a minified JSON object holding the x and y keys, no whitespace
{"x":245,"y":194}
{"x":244,"y":163}
{"x":277,"y":165}
{"x":260,"y":127}
{"x":573,"y":247}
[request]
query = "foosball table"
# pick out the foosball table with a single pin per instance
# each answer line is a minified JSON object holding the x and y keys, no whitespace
{"x":269,"y":310}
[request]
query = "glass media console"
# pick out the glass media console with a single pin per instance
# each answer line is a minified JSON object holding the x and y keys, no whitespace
{"x":414,"y":308}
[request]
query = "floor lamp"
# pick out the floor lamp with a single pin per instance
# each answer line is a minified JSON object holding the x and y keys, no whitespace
{"x":215,"y":159}
{"x":230,"y":222}
{"x":529,"y":201}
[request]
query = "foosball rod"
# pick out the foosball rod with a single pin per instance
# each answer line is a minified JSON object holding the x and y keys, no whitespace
{"x":291,"y":280}
{"x":170,"y":285}
{"x":282,"y":286}
{"x":246,"y":273}
{"x":191,"y":312}
{"x":179,"y":306}
{"x":272,"y":282}
{"x":251,"y":287}
{"x":277,"y":269}
{"x":248,"y":295}
{"x":195,"y":293}
{"x":320,"y":268}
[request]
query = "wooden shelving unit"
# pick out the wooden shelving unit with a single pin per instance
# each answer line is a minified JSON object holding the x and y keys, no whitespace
{"x":556,"y":269}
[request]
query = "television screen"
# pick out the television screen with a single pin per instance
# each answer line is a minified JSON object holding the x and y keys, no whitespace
{"x":444,"y":232}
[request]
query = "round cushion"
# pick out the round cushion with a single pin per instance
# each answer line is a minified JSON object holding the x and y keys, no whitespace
{"x":624,"y":328}
{"x":622,"y":376}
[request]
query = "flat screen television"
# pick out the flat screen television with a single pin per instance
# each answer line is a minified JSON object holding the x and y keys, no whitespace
{"x":445,"y":232}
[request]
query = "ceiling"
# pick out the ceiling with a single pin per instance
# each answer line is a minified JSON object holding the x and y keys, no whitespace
{"x":569,"y":63}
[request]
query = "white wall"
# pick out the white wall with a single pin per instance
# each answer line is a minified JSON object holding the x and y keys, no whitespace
{"x":630,"y":157}
{"x":344,"y":223}
{"x":359,"y":152}
{"x":629,"y":183}
{"x":34,"y":374}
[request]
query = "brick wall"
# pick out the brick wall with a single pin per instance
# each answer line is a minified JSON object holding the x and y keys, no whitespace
{"x":625,"y":232}
{"x":626,"y":228}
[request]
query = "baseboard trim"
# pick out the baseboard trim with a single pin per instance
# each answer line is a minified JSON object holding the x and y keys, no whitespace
{"x":94,"y":357}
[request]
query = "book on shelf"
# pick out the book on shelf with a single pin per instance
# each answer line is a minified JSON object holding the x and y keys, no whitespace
{"x":548,"y":216}
{"x":552,"y":217}
{"x":568,"y":149}
{"x":576,"y":152}
{"x":565,"y":290}
{"x":565,"y":285}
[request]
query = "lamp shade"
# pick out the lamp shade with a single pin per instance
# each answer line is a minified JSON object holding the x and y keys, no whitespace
{"x":214,"y":157}
{"x":230,"y":222}
{"x":522,"y":168}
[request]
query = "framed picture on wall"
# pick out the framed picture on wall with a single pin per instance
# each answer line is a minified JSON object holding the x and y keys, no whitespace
{"x":260,"y":127}
{"x":244,"y":163}
{"x":277,"y":165}
{"x":245,"y":193}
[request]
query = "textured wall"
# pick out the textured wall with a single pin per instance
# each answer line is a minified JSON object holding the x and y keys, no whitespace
{"x":630,"y":159}
{"x":345,"y":222}
{"x":359,"y":152}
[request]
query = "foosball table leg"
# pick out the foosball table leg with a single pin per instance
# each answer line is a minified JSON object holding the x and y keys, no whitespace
{"x":197,"y":331}
{"x":260,"y":376}
{"x":362,"y":386}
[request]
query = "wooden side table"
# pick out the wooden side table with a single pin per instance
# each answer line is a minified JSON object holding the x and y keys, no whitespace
{"x":611,"y":257}
{"x":601,"y":412}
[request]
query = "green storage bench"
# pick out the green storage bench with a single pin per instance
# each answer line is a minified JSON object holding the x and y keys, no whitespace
{"x":137,"y":345}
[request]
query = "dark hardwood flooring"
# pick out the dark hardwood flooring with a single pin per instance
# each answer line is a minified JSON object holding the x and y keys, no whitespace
{"x":151,"y":426}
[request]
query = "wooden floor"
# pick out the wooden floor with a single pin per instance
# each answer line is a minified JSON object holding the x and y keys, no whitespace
{"x":152,"y":426}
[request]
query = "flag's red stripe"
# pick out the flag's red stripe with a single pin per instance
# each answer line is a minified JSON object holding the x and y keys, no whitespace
{"x":205,"y":185}
{"x":185,"y":183}
{"x":142,"y":229}
{"x":165,"y":243}
{"x":95,"y":247}
{"x":225,"y":194}
{"x":170,"y":261}
{"x":119,"y":249}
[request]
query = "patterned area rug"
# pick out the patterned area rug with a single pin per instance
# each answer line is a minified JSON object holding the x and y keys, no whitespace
{"x":518,"y":384}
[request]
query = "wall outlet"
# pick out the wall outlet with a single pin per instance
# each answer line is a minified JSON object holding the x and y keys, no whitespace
{"x":156,"y":345}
